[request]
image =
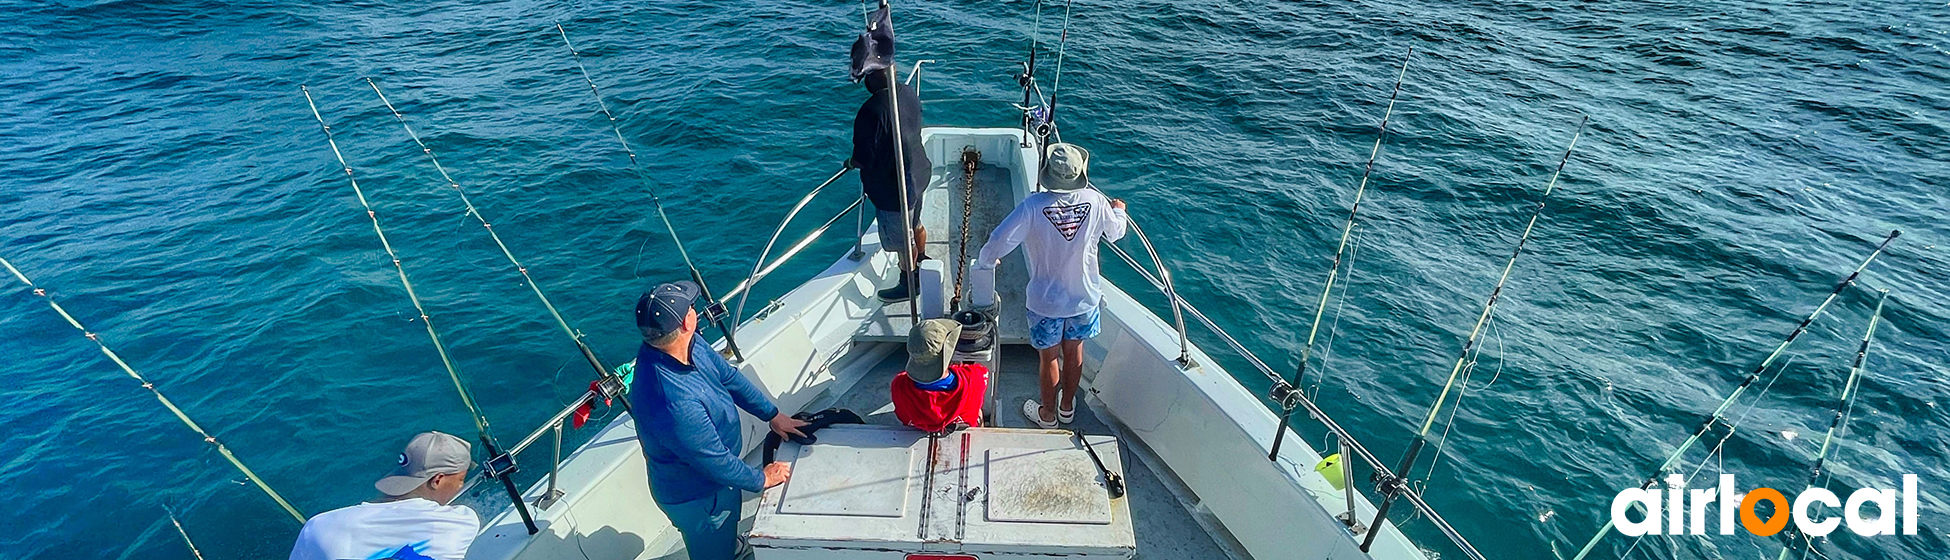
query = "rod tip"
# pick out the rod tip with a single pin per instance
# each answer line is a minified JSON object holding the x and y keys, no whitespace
{"x":1894,"y":233}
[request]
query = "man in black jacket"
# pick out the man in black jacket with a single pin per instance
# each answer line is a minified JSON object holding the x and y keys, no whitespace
{"x":874,"y":153}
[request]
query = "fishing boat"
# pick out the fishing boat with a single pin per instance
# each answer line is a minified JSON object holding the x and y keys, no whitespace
{"x":1174,"y":457}
{"x":1211,"y":470}
{"x":1196,"y":441}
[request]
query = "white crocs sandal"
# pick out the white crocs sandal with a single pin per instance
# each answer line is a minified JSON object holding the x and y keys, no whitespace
{"x":1065,"y":416}
{"x":1034,"y":412}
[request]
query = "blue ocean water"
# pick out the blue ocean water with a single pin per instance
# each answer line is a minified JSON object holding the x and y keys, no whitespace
{"x":163,"y":176}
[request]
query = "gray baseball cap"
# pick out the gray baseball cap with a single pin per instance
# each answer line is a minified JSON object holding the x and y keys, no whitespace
{"x":1066,"y":167}
{"x":429,"y":453}
{"x":930,"y":346}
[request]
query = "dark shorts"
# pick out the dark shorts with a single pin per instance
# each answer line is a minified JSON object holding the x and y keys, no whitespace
{"x":892,"y":236}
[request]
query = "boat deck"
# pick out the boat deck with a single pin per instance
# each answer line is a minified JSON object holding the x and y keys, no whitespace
{"x":1164,"y":525}
{"x":941,"y":211}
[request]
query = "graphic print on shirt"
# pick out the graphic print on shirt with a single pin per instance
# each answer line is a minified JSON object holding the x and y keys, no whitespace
{"x":1067,"y":218}
{"x":408,"y":552}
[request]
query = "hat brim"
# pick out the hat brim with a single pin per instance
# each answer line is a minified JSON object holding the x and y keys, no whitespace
{"x":923,"y":369}
{"x":401,"y":485}
{"x":1059,"y":184}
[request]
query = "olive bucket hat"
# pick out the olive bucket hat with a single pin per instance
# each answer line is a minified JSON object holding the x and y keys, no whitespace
{"x":1066,"y":167}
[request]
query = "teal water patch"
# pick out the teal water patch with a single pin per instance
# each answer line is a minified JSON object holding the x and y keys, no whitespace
{"x":164,"y":177}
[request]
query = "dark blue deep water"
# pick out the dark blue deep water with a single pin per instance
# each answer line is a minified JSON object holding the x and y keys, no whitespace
{"x":160,"y":172}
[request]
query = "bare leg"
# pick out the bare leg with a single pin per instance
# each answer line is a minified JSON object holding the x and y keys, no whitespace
{"x":1072,"y":372}
{"x":1046,"y":366}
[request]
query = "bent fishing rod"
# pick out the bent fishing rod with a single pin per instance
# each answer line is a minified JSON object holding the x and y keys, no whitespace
{"x":611,"y":386}
{"x":1842,"y":405}
{"x":1334,"y":269}
{"x":1719,"y":412}
{"x":499,"y":466}
{"x":1392,"y":486}
{"x":184,"y":417}
{"x":714,"y":311}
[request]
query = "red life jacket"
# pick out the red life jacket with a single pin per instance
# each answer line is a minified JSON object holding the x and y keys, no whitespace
{"x":934,"y":411}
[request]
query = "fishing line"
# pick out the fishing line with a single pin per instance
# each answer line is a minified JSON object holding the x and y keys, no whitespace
{"x":575,"y":335}
{"x":714,"y":310}
{"x":1333,"y":270}
{"x":1056,"y":84}
{"x":1334,"y":333}
{"x":1716,"y":417}
{"x":1489,"y":307}
{"x":171,"y":405}
{"x":1442,"y":442}
{"x":1843,"y":408}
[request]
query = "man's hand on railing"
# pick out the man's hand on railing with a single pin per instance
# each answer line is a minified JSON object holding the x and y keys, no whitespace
{"x":1117,"y":203}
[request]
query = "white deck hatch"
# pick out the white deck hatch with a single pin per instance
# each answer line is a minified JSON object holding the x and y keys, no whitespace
{"x":848,"y":480}
{"x":1045,"y":486}
{"x":873,"y":491}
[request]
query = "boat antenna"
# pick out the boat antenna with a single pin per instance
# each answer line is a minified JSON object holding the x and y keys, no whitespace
{"x":575,"y":335}
{"x":1718,"y":414}
{"x":171,"y":405}
{"x":497,"y":468}
{"x":1844,"y":404}
{"x":1333,"y":270}
{"x":714,"y":310}
{"x":1392,"y":486}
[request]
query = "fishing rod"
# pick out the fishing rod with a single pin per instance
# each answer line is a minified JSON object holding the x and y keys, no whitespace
{"x":1842,"y":404}
{"x":1333,"y":270}
{"x":1718,"y":413}
{"x":1027,"y":80}
{"x":500,"y":466}
{"x":613,"y":386}
{"x":146,"y":384}
{"x":1390,"y":487}
{"x":714,"y":311}
{"x":1056,"y":84}
{"x":179,"y":530}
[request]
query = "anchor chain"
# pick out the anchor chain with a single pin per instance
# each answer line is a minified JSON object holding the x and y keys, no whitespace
{"x":971,"y":159}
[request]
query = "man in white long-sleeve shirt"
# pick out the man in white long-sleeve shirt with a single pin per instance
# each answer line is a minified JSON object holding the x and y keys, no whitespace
{"x":1058,"y":229}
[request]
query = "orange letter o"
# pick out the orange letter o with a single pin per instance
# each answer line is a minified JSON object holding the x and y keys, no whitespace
{"x":1751,"y":520}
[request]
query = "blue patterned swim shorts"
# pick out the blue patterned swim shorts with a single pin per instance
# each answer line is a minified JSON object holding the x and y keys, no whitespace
{"x":1046,"y":332}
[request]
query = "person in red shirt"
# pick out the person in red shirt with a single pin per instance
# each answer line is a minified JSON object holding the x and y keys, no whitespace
{"x":934,"y":394}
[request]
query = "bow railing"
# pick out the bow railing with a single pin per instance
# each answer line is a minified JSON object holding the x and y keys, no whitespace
{"x":1284,"y":393}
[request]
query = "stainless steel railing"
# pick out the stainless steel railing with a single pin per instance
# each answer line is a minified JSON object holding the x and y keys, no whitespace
{"x":1284,"y":392}
{"x":758,"y":265}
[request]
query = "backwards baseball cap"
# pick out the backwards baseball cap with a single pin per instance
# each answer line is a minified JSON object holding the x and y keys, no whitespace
{"x":429,"y":454}
{"x":662,"y":310}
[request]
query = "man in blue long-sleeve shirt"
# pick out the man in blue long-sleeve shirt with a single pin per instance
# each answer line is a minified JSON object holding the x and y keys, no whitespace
{"x":686,"y":399}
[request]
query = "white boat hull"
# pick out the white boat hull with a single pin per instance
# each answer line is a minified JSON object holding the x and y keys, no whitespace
{"x":1204,"y":433}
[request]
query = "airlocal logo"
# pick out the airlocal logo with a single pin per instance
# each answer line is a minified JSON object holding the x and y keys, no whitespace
{"x":1679,"y":511}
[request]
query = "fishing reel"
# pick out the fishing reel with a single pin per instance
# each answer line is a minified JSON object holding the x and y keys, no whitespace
{"x":1286,"y":394}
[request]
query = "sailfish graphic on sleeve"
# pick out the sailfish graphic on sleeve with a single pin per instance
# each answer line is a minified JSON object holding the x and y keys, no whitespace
{"x":1067,"y":218}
